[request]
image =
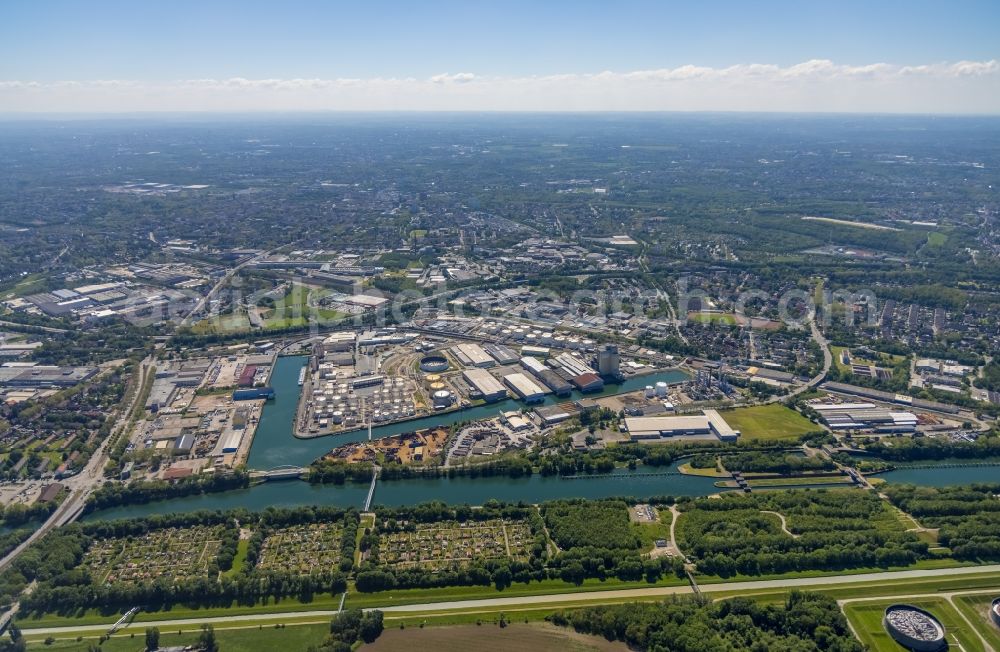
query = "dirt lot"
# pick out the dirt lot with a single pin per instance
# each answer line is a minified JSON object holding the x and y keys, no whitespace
{"x":490,"y":638}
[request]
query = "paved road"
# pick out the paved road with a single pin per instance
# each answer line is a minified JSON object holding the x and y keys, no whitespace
{"x":814,"y":382}
{"x":81,"y":484}
{"x":548,"y":599}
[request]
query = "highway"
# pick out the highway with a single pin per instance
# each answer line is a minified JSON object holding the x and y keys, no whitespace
{"x":541,"y":601}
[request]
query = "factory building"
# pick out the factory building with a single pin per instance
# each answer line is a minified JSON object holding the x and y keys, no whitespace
{"x":232,"y":442}
{"x":485,"y":385}
{"x":864,"y":416}
{"x":535,"y":351}
{"x":525,"y":388}
{"x":45,"y":376}
{"x":247,"y":376}
{"x":184,"y":443}
{"x":552,"y":380}
{"x":588,"y":382}
{"x":502,"y":354}
{"x":707,"y":425}
{"x":472,"y":355}
{"x":339,"y":342}
{"x":608,"y":361}
{"x":252,"y":393}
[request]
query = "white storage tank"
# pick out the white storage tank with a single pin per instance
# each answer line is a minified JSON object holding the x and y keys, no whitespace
{"x":661,"y":389}
{"x":650,"y":392}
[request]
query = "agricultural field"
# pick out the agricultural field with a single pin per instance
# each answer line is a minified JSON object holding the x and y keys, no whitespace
{"x":447,"y":544}
{"x":172,"y":553}
{"x":301,"y":548}
{"x":769,"y":422}
{"x":866,"y":618}
{"x":517,"y":636}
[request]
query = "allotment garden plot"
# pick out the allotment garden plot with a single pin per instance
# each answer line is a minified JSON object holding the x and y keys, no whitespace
{"x":446,"y":544}
{"x":302,"y":548}
{"x":172,"y":553}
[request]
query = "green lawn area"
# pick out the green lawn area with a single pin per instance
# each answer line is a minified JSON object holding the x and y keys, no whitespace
{"x":976,"y":608}
{"x":712,"y":318}
{"x":866,"y":618}
{"x":30,"y":284}
{"x":239,"y":559}
{"x":884,"y":359}
{"x":290,"y":310}
{"x":650,"y":532}
{"x":936,"y":239}
{"x":232,"y":322}
{"x":798,"y":481}
{"x":418,"y":596}
{"x":772,"y":422}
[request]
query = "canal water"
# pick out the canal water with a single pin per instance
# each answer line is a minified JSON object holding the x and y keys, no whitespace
{"x":943,"y":476}
{"x":474,"y":491}
{"x":274,"y":446}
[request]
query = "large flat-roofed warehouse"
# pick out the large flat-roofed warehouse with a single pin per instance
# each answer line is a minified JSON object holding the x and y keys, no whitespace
{"x":864,"y":416}
{"x":549,"y":377}
{"x":526,"y":389}
{"x":339,"y":341}
{"x":40,"y":376}
{"x":485,"y":384}
{"x":472,"y":355}
{"x":708,"y":425}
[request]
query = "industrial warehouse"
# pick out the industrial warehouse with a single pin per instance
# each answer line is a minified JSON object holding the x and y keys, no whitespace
{"x":707,"y":425}
{"x":395,"y":374}
{"x":865,"y":416}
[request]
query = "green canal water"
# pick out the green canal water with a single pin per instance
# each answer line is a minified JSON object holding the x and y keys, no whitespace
{"x":274,"y":446}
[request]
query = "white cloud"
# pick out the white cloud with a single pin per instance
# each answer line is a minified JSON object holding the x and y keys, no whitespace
{"x":460,"y":78}
{"x":814,"y":85}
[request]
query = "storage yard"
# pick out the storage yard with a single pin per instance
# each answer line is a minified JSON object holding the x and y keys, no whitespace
{"x":357,"y":379}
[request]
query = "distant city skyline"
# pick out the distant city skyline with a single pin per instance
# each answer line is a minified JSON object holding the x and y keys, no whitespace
{"x":909,"y":57}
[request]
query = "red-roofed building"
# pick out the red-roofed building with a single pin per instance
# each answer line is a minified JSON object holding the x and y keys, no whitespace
{"x":588,"y":382}
{"x":176,"y":473}
{"x":246,"y":378}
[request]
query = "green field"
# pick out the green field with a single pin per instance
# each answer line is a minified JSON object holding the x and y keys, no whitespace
{"x":936,"y":239}
{"x":249,"y":638}
{"x":798,"y":481}
{"x":712,"y":318}
{"x":976,"y":609}
{"x":884,"y":359}
{"x":770,"y":422}
{"x":866,"y":618}
{"x":228,"y":323}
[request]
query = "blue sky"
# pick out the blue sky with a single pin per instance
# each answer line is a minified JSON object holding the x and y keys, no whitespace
{"x":160,"y":42}
{"x":157,"y":40}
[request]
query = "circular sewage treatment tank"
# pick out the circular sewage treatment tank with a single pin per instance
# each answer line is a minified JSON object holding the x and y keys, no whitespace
{"x":995,"y":612}
{"x":914,"y":628}
{"x":433,"y":364}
